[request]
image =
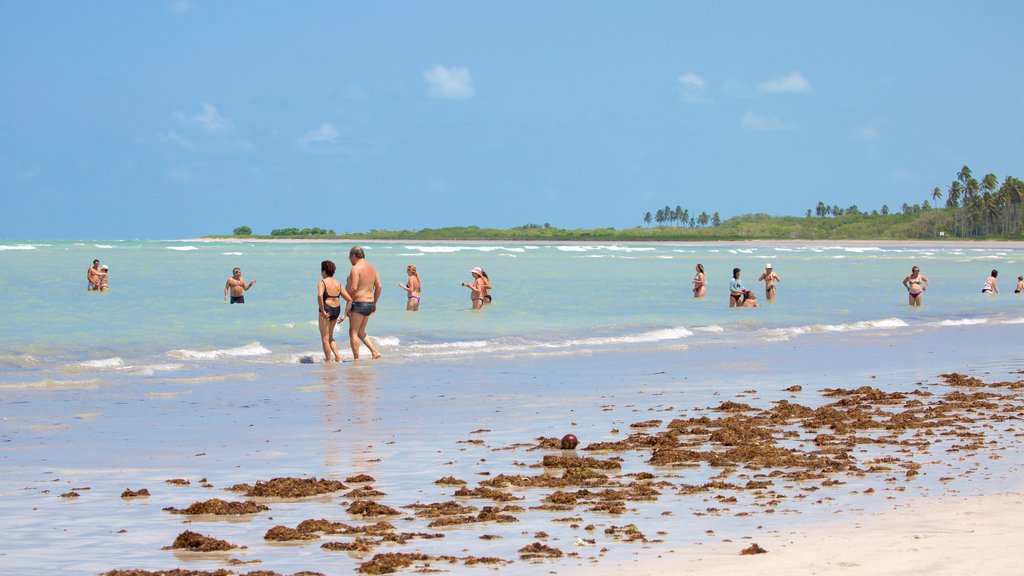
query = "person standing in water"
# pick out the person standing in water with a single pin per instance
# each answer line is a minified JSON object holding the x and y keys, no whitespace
{"x":699,"y":282}
{"x":736,"y":290}
{"x":915,"y":284}
{"x":92,"y":277}
{"x":477,"y":288}
{"x":769,"y":277}
{"x":237,"y":287}
{"x":365,"y":288}
{"x":329,"y":293}
{"x":413,"y":287}
{"x":104,"y":276}
{"x":1020,"y":285}
{"x":991,"y":287}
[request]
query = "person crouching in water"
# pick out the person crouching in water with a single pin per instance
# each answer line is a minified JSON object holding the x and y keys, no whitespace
{"x":736,"y":290}
{"x":329,"y":294}
{"x":749,"y":300}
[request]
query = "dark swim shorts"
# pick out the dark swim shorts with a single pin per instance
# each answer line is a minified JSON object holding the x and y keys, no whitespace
{"x":363,"y":308}
{"x":238,"y":299}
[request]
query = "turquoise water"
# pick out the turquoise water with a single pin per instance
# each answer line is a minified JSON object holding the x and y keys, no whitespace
{"x":165,"y":311}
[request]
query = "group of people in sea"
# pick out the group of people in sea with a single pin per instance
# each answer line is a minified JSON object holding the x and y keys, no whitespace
{"x":96,"y":277}
{"x":916,"y":283}
{"x":739,"y":297}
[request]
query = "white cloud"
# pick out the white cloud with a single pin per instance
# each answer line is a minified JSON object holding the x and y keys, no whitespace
{"x":758,"y":123}
{"x":453,"y":83}
{"x":179,"y":7}
{"x":209,"y":119}
{"x":866,"y":132}
{"x":792,"y":82}
{"x":693,"y":89}
{"x":326,"y":133}
{"x":173,"y":137}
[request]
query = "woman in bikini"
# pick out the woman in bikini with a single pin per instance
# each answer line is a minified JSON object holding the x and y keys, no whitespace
{"x":916,"y":284}
{"x":736,"y":290}
{"x":990,"y":286}
{"x":329,"y":293}
{"x":413,"y":287}
{"x":476,"y":288}
{"x":487,"y":286}
{"x":1020,"y":285}
{"x":699,"y":286}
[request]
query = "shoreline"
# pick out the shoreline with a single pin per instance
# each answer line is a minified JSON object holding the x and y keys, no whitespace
{"x":951,"y":535}
{"x":746,"y":243}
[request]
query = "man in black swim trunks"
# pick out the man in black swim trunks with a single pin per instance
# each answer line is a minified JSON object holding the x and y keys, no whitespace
{"x":365,"y":288}
{"x":237,"y":287}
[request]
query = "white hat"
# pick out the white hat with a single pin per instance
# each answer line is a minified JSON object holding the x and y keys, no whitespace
{"x":104,"y":267}
{"x":477,"y":270}
{"x":768,"y":265}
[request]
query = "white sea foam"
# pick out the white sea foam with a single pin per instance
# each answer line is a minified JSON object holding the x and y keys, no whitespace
{"x":182,"y":248}
{"x":51,"y":384}
{"x":452,"y":249}
{"x":114,"y":362}
{"x":963,"y":322}
{"x":862,"y":249}
{"x":573,"y":248}
{"x":105,"y":246}
{"x":17,"y":247}
{"x":714,"y":328}
{"x":151,"y":369}
{"x":231,"y":253}
{"x":387,"y":340}
{"x":781,"y":334}
{"x":251,"y":349}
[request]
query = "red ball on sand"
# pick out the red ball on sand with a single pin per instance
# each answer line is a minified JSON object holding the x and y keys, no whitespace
{"x":569,"y":442}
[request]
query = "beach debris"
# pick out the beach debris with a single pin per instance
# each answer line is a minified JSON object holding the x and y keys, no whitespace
{"x":538,"y":550}
{"x":129,"y":493}
{"x":371,"y":508}
{"x":196,"y":542}
{"x":569,"y":442}
{"x":360,"y":478}
{"x":795,"y":388}
{"x":450,"y":481}
{"x":288,"y":487}
{"x":364,"y":492}
{"x":754,"y":548}
{"x":281,"y":533}
{"x":390,"y":562}
{"x":177,"y":482}
{"x":220,"y":507}
{"x":71,"y":494}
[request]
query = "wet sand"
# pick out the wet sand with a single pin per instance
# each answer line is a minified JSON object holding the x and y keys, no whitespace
{"x":942,"y":536}
{"x":676,"y":456}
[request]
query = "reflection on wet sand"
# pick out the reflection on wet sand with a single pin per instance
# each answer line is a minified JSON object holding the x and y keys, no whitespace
{"x":348,"y":411}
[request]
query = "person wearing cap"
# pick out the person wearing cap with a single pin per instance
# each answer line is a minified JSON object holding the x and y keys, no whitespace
{"x":769,"y":278}
{"x":104,"y":273}
{"x":477,"y":288}
{"x":92,"y":277}
{"x":365,"y":288}
{"x":237,"y":287}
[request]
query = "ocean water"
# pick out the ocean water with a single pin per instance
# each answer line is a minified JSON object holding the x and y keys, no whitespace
{"x":165,"y":311}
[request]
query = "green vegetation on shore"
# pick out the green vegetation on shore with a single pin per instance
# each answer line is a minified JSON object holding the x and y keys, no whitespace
{"x":983,"y":210}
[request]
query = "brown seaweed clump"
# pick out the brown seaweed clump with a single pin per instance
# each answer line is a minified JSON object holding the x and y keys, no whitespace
{"x":486,"y":514}
{"x":487,"y":494}
{"x":220,"y":507}
{"x":364,"y":492}
{"x":289,"y":487}
{"x":177,"y":482}
{"x":196,"y":542}
{"x":554,"y":461}
{"x":71,"y":494}
{"x":129,"y":493}
{"x":754,"y":548}
{"x":285,"y":534}
{"x":359,"y":478}
{"x":439,"y":509}
{"x":392,"y":562}
{"x":450,"y":481}
{"x":358,"y":545}
{"x":538,"y":550}
{"x":172,"y":572}
{"x":370,"y":508}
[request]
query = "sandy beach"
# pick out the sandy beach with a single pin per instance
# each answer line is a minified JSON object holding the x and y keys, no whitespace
{"x":940,"y":536}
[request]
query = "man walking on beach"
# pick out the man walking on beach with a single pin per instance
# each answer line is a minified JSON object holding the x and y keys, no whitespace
{"x":92,"y":277}
{"x":237,"y":287}
{"x":364,"y":286}
{"x":770,"y":278}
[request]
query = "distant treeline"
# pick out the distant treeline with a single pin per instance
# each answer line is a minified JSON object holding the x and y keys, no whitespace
{"x":973,"y":209}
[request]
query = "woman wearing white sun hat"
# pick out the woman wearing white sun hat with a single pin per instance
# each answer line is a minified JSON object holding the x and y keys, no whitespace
{"x":769,"y":278}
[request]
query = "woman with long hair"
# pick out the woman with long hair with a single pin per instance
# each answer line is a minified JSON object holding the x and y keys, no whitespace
{"x":329,"y":293}
{"x":413,"y":288}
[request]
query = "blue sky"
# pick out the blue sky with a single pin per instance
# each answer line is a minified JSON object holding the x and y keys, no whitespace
{"x":173,"y":119}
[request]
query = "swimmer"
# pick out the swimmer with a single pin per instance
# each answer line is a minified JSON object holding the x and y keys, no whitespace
{"x":736,"y":290}
{"x":487,"y":287}
{"x":749,"y":300}
{"x":413,"y":287}
{"x":237,"y":287}
{"x":92,"y":277}
{"x":916,"y":284}
{"x":476,"y":288}
{"x":365,"y":288}
{"x":991,"y":287}
{"x":1020,"y":285}
{"x":329,"y":293}
{"x":699,"y":286}
{"x":104,"y":275}
{"x":770,"y":278}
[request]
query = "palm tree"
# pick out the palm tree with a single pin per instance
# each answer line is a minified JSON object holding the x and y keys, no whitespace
{"x":954,"y":192}
{"x":648,"y":218}
{"x":677,"y":215}
{"x":703,"y":219}
{"x":885,"y":209}
{"x":716,"y":220}
{"x":936,"y":195}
